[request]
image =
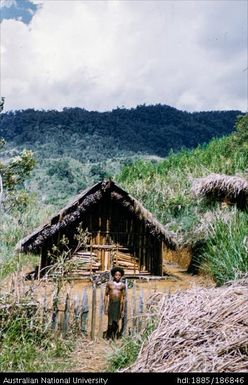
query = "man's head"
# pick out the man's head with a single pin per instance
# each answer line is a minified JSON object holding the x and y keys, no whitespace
{"x":117,"y":273}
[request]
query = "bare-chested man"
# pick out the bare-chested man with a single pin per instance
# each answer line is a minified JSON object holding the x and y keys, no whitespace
{"x":114,"y":301}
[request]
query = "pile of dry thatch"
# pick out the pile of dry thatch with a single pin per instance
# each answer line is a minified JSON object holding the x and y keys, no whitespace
{"x":199,"y":330}
{"x":218,"y":186}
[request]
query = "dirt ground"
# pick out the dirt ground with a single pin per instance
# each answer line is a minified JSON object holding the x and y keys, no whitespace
{"x":91,"y":356}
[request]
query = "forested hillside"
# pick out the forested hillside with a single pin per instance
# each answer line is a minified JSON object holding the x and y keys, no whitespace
{"x":74,"y":147}
{"x":94,"y":136}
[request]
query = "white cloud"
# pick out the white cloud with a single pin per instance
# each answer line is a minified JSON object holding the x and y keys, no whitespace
{"x":7,"y":3}
{"x":99,"y":55}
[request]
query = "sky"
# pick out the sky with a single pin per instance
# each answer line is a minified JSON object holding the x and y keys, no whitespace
{"x":100,"y":55}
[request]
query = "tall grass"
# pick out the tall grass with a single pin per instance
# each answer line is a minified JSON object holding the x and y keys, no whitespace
{"x":14,"y":226}
{"x":28,"y":348}
{"x":225,"y":254}
{"x":165,"y":189}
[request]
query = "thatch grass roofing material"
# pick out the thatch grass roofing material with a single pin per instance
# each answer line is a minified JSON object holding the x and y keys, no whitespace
{"x":79,"y":206}
{"x":199,"y":330}
{"x":220,"y":186}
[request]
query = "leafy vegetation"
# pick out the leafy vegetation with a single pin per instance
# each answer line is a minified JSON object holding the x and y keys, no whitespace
{"x":75,"y":148}
{"x":13,"y":174}
{"x":165,"y":189}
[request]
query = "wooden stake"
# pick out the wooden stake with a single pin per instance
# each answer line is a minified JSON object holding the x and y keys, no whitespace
{"x":101,"y":312}
{"x":93,"y":313}
{"x":55,"y":310}
{"x":124,"y":326}
{"x":134,"y":306}
{"x":84,"y":312}
{"x":91,"y":257}
{"x":141,"y":308}
{"x":66,"y":314}
{"x":76,"y":311}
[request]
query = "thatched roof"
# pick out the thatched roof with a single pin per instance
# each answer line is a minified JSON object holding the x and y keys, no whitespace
{"x":81,"y":204}
{"x":218,"y":186}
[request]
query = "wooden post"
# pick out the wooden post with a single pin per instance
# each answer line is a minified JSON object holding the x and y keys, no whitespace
{"x":129,"y":241}
{"x":101,"y":312}
{"x":55,"y":311}
{"x":107,"y":231}
{"x":140,"y":247}
{"x":84,"y":312}
{"x":141,"y":308}
{"x":124,"y":326}
{"x":102,"y":259}
{"x":134,"y":306}
{"x":93,"y":313}
{"x":91,"y":256}
{"x":116,"y":259}
{"x":66,"y":314}
{"x":145,"y":250}
{"x":106,"y":253}
{"x":76,"y":312}
{"x":162,"y":258}
{"x":100,"y":226}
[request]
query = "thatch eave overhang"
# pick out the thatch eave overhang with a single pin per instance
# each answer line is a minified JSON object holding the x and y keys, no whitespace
{"x":221,"y":186}
{"x":40,"y":237}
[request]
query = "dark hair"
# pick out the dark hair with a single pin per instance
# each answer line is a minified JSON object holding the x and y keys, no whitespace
{"x":115,"y":269}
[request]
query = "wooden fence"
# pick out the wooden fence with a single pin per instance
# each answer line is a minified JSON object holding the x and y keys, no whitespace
{"x":81,"y":312}
{"x":85,"y":313}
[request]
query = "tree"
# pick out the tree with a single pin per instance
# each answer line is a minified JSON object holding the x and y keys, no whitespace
{"x":13,"y":174}
{"x":242,"y":129}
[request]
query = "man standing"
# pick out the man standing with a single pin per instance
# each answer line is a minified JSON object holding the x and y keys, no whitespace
{"x":114,"y":302}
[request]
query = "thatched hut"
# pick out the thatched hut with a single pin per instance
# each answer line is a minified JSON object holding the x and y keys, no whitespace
{"x":122,"y":232}
{"x":227,"y":189}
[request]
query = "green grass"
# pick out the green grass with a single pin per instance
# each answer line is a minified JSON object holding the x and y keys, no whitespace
{"x":21,"y":352}
{"x":225,"y":254}
{"x":126,"y":353}
{"x":13,"y":227}
{"x":164,"y":188}
{"x":26,"y":345}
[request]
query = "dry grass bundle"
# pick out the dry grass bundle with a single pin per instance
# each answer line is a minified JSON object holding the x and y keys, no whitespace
{"x":222,"y":186}
{"x":199,"y":330}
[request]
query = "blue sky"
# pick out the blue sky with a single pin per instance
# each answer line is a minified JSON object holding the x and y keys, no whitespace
{"x":22,"y":10}
{"x":102,"y":54}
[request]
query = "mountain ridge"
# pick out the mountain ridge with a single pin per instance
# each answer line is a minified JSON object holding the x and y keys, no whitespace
{"x":75,"y":147}
{"x":152,"y":130}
